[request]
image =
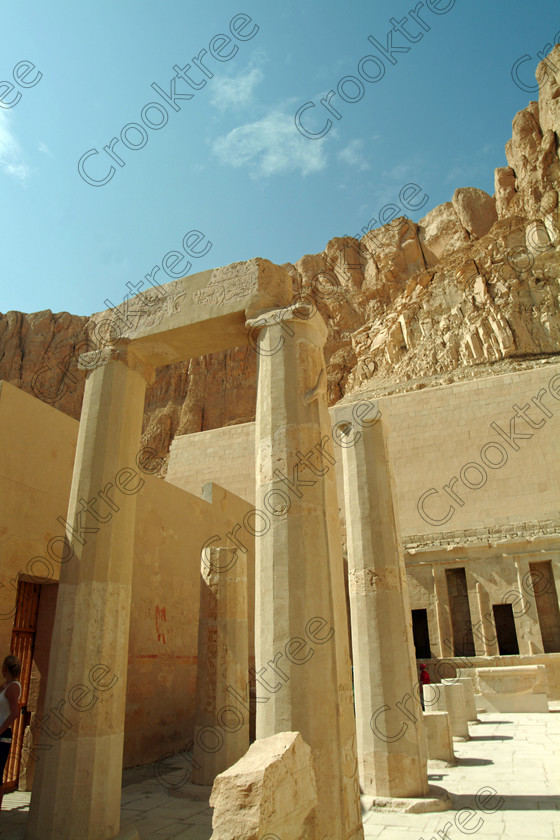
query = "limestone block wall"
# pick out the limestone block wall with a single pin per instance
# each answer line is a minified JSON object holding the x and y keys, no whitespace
{"x":435,"y":435}
{"x":226,"y":456}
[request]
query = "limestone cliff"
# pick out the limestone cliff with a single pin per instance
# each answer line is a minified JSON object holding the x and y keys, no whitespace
{"x":471,"y":289}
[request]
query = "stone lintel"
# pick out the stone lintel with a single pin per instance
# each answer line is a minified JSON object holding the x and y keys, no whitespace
{"x":194,"y":316}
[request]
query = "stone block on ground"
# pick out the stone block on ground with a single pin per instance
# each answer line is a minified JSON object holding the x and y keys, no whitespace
{"x":468,"y":695}
{"x":439,"y":737}
{"x":521,"y":688}
{"x":442,"y":697}
{"x":270,"y":791}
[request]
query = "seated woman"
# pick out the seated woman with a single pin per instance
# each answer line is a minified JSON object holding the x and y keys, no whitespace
{"x":9,"y":710}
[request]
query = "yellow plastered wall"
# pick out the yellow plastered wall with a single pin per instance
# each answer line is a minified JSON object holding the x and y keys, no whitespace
{"x":37,"y":449}
{"x":171,"y":528}
{"x":432,"y":434}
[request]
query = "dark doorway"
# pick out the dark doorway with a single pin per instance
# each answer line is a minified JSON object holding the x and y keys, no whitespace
{"x":420,"y":634}
{"x":23,"y":643}
{"x":547,"y":604}
{"x":461,"y":627}
{"x":505,"y":629}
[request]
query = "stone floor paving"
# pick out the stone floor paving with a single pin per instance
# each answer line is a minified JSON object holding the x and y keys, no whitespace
{"x":506,"y":784}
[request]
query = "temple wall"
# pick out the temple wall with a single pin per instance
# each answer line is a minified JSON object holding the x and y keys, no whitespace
{"x":492,"y":532}
{"x":36,"y":459}
{"x":501,"y":528}
{"x":37,"y":448}
{"x":226,"y":456}
{"x":171,"y":528}
{"x":433,"y":434}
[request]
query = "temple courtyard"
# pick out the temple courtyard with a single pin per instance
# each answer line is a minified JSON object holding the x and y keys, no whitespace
{"x":506,"y":784}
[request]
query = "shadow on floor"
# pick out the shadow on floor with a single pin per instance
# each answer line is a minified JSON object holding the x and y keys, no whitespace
{"x":473,"y":762}
{"x":507,"y":802}
{"x":12,"y":823}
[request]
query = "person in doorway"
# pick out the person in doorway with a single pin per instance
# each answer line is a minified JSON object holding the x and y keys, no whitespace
{"x":424,"y":680}
{"x":10,"y":693}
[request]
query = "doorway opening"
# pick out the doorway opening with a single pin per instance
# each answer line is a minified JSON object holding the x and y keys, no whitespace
{"x":505,"y":629}
{"x":421,"y":634}
{"x":22,"y":646}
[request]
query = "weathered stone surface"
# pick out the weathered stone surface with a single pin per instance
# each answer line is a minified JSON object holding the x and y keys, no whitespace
{"x":269,"y":792}
{"x":442,"y":697}
{"x":300,"y":556}
{"x":476,"y":210}
{"x":441,"y":233}
{"x":439,"y":737}
{"x":223,"y":662}
{"x":468,"y":695}
{"x":382,"y":646}
{"x":521,"y":688}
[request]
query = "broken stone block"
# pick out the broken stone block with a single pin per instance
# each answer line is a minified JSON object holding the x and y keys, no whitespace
{"x":269,"y":792}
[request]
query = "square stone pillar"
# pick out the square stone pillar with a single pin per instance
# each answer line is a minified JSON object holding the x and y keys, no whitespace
{"x":391,"y":739}
{"x":221,"y":732}
{"x":524,"y":606}
{"x":484,"y":629}
{"x":77,"y":785}
{"x":303,"y":670}
{"x":443,"y":612}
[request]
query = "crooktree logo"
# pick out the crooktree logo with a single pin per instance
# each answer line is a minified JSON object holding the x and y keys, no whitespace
{"x":370,"y":69}
{"x":25,"y":75}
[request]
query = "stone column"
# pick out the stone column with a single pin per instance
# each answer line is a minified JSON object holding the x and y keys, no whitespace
{"x":77,"y":784}
{"x":525,"y":611}
{"x":439,"y":614}
{"x":444,"y":613}
{"x":480,"y":642}
{"x":391,"y":740}
{"x":221,"y":735}
{"x":303,"y":670}
{"x":485,"y":629}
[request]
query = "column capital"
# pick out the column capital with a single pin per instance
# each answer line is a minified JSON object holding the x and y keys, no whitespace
{"x":303,"y":310}
{"x":121,"y":352}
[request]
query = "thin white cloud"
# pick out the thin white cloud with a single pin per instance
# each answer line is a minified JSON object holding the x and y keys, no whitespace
{"x":42,"y":147}
{"x":12,"y":160}
{"x":271,"y":146}
{"x":353,"y":154}
{"x":236,"y":91}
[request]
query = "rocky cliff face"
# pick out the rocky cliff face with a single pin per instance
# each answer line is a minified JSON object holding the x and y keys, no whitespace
{"x":471,"y":289}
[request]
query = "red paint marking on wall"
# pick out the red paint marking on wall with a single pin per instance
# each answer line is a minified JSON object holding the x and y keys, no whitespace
{"x":160,"y":619}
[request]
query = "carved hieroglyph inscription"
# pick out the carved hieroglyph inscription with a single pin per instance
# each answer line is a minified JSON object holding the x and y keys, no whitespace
{"x":226,"y":286}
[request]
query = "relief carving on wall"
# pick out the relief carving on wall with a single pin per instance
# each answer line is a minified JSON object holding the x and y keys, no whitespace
{"x":225,"y":289}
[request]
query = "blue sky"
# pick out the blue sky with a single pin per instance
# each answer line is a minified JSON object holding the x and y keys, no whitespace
{"x":230,"y":162}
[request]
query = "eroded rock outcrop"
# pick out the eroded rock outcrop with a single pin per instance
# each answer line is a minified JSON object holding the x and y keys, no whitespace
{"x":470,"y":288}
